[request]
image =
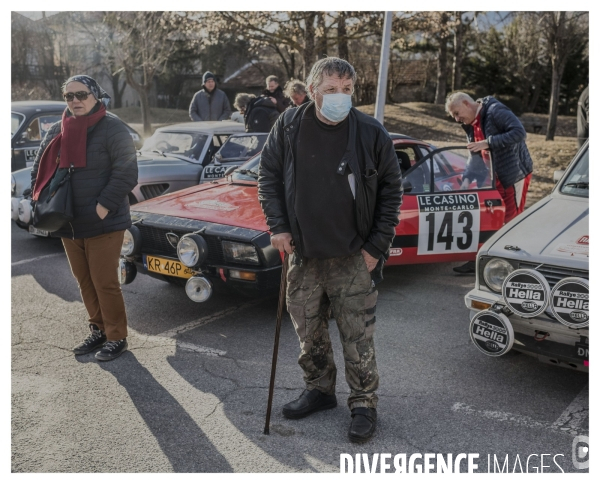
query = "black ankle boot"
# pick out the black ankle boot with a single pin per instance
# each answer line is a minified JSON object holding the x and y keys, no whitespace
{"x":309,"y":402}
{"x":364,"y":422}
{"x":96,"y":339}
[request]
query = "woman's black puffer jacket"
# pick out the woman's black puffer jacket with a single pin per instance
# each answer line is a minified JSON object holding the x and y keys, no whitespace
{"x":110,"y":173}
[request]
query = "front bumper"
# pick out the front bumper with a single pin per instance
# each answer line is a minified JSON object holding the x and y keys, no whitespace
{"x":542,"y":337}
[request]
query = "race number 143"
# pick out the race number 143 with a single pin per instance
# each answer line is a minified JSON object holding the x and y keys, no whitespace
{"x":447,"y":227}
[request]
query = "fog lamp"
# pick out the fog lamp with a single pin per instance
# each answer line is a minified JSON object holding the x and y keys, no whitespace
{"x":14,"y":208}
{"x":198,"y":289}
{"x":25,"y":211}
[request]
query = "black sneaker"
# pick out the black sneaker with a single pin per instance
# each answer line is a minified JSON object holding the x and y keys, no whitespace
{"x":96,"y":339}
{"x":309,"y":402}
{"x":112,"y":349}
{"x":468,"y":268}
{"x":362,"y":427}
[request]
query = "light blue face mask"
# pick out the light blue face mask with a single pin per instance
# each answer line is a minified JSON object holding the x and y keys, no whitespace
{"x":336,"y":106}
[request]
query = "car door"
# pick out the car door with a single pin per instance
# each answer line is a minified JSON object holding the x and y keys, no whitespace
{"x":27,"y":141}
{"x":440,"y":221}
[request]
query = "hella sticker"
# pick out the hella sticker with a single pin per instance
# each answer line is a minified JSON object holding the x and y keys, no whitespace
{"x":395,"y":252}
{"x":492,"y":333}
{"x":570,"y":302}
{"x":526,"y":292}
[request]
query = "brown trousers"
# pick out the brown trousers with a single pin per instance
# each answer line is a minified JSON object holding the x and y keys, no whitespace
{"x":94,"y":262}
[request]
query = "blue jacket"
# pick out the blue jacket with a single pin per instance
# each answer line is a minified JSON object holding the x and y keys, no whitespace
{"x":506,"y":136}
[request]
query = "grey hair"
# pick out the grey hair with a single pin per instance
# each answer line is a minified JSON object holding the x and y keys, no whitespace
{"x":457,"y":97}
{"x":272,"y":78}
{"x":329,"y":66}
{"x":294,"y":86}
{"x":242,"y":100}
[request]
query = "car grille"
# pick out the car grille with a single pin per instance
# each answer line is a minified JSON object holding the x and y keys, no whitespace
{"x":154,"y":242}
{"x":553,"y":274}
{"x":153,"y":191}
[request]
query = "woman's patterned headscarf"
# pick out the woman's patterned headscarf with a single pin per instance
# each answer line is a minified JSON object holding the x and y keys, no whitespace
{"x":92,"y":85}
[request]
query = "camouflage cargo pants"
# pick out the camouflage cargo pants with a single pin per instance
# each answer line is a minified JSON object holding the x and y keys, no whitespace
{"x":344,"y":285}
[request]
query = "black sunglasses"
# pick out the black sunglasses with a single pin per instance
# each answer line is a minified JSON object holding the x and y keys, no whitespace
{"x":80,"y":95}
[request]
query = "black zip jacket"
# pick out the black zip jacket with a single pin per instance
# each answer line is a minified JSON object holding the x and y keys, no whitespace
{"x":371,"y":158}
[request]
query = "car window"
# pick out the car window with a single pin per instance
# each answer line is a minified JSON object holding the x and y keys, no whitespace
{"x":15,"y":121}
{"x":46,"y":122}
{"x":577,"y":181}
{"x":451,"y":169}
{"x":241,"y":147}
{"x":407,"y":157}
{"x":172,"y":142}
{"x":248,"y":171}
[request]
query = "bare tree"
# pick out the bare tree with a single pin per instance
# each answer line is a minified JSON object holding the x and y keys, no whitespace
{"x":563,"y":33}
{"x":144,"y":43}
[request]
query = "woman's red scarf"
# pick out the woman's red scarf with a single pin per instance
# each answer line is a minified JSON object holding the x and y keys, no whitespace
{"x":66,"y":149}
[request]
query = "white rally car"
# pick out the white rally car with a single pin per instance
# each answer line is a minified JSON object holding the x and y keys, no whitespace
{"x":532,"y":288}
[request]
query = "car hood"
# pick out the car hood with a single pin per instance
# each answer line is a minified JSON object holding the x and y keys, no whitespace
{"x":556,"y":231}
{"x":224,"y":203}
{"x":161,"y":169}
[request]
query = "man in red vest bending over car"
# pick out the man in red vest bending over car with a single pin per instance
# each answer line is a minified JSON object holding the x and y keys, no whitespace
{"x":490,"y":125}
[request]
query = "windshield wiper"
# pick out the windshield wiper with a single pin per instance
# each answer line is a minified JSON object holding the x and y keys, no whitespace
{"x":253,"y":174}
{"x":159,"y":152}
{"x":578,"y":184}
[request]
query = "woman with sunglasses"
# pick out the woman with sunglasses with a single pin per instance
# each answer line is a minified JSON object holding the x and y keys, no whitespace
{"x":101,"y":156}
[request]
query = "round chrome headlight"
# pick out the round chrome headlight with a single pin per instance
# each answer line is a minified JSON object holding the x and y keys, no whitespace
{"x":127,"y":272}
{"x":494,"y":273}
{"x":192,"y":250}
{"x":13,"y":185}
{"x":132,"y":241}
{"x":25,"y":211}
{"x":198,"y":289}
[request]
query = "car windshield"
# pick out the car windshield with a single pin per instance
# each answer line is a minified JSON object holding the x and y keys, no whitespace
{"x":241,"y":147}
{"x":248,"y":171}
{"x":578,"y":180}
{"x":15,"y":121}
{"x":186,"y":144}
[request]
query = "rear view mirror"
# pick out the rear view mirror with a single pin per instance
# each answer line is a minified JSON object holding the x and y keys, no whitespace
{"x":558,"y":174}
{"x":230,"y":170}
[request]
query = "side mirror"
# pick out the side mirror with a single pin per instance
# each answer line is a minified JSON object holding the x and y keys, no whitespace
{"x":230,"y":170}
{"x":558,"y":174}
{"x":406,"y":185}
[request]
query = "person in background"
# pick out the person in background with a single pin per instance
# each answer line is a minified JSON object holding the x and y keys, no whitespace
{"x":330,"y":188}
{"x":210,"y":103}
{"x":583,"y":117}
{"x":240,"y":103}
{"x":101,"y":154}
{"x":296,"y":91}
{"x":275,"y":92}
{"x":490,"y":125}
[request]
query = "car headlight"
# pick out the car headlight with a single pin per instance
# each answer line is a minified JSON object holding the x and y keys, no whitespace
{"x":132,"y":241}
{"x":494,"y":273}
{"x":239,"y":252}
{"x":192,"y":250}
{"x":13,"y":185}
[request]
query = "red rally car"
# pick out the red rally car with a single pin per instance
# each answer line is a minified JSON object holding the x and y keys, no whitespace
{"x":216,"y":232}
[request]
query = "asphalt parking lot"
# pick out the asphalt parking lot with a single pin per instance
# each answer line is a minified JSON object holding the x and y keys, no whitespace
{"x":190,"y":395}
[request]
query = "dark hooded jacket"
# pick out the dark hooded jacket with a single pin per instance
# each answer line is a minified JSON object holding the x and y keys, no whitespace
{"x":110,"y":173}
{"x":370,"y":156}
{"x":506,"y":136}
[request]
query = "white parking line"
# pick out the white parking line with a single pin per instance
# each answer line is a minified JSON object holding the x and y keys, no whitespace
{"x":200,"y":349}
{"x":575,"y":414}
{"x":26,"y":261}
{"x":208,"y":319}
{"x":570,"y":421}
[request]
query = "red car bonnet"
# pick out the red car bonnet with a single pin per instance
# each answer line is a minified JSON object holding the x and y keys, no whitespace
{"x":222,"y":203}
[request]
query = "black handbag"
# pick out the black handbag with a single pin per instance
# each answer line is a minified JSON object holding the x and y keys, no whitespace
{"x":54,"y":209}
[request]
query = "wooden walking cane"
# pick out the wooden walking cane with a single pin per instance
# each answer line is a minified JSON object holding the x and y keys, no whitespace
{"x":282,"y":288}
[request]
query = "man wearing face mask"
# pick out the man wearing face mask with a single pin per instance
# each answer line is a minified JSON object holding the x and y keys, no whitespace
{"x":330,"y":188}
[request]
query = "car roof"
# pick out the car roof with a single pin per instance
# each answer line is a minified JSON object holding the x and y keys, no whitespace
{"x":215,"y":127}
{"x":30,"y":107}
{"x":407,"y":139}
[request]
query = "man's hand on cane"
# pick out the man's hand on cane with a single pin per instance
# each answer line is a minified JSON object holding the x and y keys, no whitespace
{"x":283,"y":242}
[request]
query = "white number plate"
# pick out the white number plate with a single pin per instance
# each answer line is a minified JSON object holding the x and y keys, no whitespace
{"x":448,"y":223}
